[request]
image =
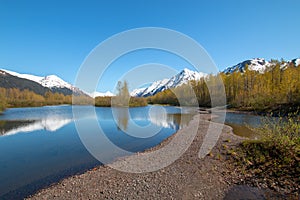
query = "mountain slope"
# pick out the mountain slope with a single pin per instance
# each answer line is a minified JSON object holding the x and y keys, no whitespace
{"x":181,"y":78}
{"x":37,"y":84}
{"x":101,"y":94}
{"x":257,"y":64}
{"x":9,"y":81}
{"x":296,"y":61}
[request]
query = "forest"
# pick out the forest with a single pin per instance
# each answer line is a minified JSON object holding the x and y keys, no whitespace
{"x":278,"y":88}
{"x":14,"y":97}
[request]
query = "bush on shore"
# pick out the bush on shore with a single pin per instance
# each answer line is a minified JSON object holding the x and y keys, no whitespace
{"x":2,"y":106}
{"x":133,"y":102}
{"x":274,"y":158}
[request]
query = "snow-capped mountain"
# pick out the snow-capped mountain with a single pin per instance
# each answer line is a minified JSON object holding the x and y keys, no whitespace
{"x":136,"y":92}
{"x":101,"y":94}
{"x":53,"y":82}
{"x":296,"y":61}
{"x":47,"y":81}
{"x":155,"y":87}
{"x":257,"y":64}
{"x":181,"y":78}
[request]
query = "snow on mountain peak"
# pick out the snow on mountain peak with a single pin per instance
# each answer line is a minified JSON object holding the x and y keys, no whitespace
{"x":101,"y":94}
{"x":258,"y":64}
{"x":297,"y":62}
{"x":49,"y":81}
{"x":255,"y":64}
{"x":137,"y":92}
{"x":54,"y":81}
{"x":181,"y":78}
{"x":25,"y":76}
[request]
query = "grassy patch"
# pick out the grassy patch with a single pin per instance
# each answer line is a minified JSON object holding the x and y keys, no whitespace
{"x":274,"y":158}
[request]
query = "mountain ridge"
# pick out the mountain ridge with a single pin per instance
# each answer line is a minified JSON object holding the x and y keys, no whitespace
{"x":258,"y":64}
{"x":101,"y":94}
{"x":37,"y":84}
{"x":183,"y":77}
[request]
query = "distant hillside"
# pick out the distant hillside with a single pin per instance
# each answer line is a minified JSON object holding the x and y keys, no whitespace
{"x":37,"y":84}
{"x":9,"y":81}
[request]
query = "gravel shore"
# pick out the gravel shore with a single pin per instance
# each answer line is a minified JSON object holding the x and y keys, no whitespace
{"x":189,"y":177}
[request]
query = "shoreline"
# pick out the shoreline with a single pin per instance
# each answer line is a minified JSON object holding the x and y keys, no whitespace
{"x":187,"y":178}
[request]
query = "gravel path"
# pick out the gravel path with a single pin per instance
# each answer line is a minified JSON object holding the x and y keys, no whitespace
{"x":187,"y":178}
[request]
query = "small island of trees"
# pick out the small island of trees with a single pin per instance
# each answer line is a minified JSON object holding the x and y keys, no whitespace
{"x":122,"y":98}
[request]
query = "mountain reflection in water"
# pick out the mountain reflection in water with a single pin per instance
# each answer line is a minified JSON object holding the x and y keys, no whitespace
{"x":158,"y":118}
{"x":123,"y":116}
{"x":51,"y":124}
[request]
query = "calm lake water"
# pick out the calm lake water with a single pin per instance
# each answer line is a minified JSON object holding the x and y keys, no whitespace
{"x":243,"y":122}
{"x":39,"y":146}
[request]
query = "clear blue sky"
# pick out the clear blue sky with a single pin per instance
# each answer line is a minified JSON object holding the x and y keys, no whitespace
{"x":54,"y":37}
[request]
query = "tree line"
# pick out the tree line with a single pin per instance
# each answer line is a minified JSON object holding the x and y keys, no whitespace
{"x":278,"y":87}
{"x":14,"y":97}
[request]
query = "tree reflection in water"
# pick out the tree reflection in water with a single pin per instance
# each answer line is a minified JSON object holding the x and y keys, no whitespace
{"x":122,"y":118}
{"x":174,"y":121}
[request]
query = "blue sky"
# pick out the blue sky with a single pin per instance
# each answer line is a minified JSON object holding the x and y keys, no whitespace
{"x":54,"y":37}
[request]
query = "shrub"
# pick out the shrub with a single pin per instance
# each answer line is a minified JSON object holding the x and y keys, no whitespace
{"x":276,"y":154}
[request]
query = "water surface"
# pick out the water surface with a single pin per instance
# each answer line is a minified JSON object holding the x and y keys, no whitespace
{"x":243,"y":123}
{"x":40,"y":145}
